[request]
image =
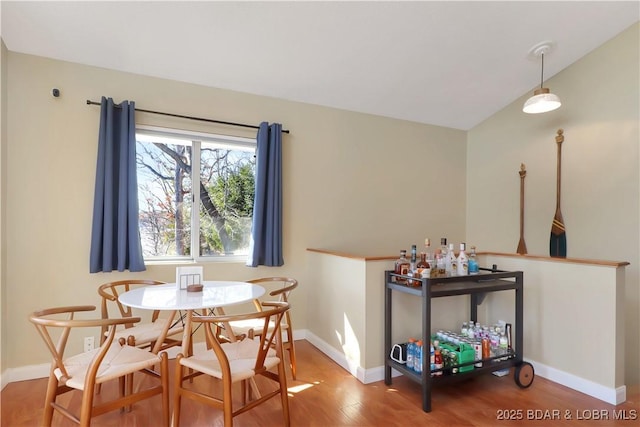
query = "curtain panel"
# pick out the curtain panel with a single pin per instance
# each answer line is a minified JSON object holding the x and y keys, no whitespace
{"x":115,"y":237}
{"x":266,"y":229}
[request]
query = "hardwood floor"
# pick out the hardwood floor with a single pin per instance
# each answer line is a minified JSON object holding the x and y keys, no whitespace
{"x":326,"y":395}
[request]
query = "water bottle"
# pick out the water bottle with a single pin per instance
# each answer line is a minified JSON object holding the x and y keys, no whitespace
{"x":432,"y":357}
{"x":411,"y":348}
{"x":417,"y":357}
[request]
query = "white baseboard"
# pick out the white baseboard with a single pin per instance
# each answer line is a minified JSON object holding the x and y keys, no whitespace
{"x":614,"y":396}
{"x":365,"y":376}
{"x":25,"y":373}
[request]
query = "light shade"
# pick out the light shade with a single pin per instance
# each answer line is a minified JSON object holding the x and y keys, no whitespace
{"x":541,"y":102}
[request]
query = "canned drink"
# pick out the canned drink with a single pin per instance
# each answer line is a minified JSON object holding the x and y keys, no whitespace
{"x":486,"y":348}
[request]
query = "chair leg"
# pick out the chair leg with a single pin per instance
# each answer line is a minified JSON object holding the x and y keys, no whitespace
{"x":292,"y":356}
{"x":86,"y":407}
{"x":129,"y":383}
{"x":121,"y":389}
{"x":50,"y":397}
{"x":164,"y":379}
{"x":177,"y":396}
{"x":284,"y":395}
{"x":227,"y":402}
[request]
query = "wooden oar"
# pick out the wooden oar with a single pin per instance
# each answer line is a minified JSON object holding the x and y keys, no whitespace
{"x":558,"y":240}
{"x":522,"y":246}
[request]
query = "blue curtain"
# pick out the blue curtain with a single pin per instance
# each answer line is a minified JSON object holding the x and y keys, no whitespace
{"x":115,"y":237}
{"x":266,"y":230}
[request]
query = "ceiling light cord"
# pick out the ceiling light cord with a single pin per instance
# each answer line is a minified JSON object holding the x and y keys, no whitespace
{"x":542,"y":71}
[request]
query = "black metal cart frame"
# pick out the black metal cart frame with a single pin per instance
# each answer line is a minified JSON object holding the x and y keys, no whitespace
{"x":476,"y":286}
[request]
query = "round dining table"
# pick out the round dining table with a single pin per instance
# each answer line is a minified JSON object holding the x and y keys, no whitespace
{"x":169,"y":297}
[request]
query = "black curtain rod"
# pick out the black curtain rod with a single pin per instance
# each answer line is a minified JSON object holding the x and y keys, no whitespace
{"x":190,"y":117}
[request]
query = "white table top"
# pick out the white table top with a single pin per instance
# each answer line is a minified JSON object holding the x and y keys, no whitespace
{"x":169,"y":297}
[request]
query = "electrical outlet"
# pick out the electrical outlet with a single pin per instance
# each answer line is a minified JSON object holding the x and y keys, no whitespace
{"x":88,"y":343}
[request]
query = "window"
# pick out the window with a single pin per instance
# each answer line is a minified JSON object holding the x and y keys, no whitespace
{"x":195,"y":194}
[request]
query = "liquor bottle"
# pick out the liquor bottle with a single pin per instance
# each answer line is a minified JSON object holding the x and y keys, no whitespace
{"x":473,"y":262}
{"x":422,"y":267}
{"x":414,"y":260}
{"x":427,"y":250}
{"x":451,"y":262}
{"x":441,"y":258}
{"x":462,"y":261}
{"x":443,"y":246}
{"x":402,"y":267}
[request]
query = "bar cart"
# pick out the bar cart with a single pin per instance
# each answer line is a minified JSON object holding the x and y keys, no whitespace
{"x":476,"y":286}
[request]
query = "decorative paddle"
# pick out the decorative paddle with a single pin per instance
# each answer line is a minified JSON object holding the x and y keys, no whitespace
{"x":522,"y":246}
{"x":558,"y":240}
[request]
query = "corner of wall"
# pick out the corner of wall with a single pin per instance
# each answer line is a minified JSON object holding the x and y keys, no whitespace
{"x":3,"y":184}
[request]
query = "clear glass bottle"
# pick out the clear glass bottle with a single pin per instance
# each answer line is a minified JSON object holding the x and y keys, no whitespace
{"x":402,"y":267}
{"x":451,"y":262}
{"x":462,"y":261}
{"x":473,"y":262}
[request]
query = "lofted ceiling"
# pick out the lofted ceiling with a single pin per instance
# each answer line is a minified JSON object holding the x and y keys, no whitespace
{"x":446,"y":63}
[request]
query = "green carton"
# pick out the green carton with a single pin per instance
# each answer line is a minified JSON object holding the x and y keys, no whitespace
{"x":464,"y":352}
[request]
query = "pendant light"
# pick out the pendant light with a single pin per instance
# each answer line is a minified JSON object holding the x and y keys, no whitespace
{"x":542,"y":100}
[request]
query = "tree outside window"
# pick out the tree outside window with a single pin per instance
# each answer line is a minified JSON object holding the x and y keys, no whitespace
{"x":195,"y":194}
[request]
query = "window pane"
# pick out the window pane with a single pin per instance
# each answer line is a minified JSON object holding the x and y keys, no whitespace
{"x":224,"y":190}
{"x":164,"y":196}
{"x":226,"y":195}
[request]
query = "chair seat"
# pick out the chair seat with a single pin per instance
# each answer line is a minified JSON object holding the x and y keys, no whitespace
{"x":244,"y":326}
{"x":119,"y":360}
{"x":147,"y":332}
{"x":241,"y":356}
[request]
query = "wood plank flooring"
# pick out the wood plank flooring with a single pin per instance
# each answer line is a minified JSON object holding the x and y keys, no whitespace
{"x":326,"y":395}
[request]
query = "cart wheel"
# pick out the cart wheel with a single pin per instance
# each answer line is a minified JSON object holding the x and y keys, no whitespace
{"x":523,"y":374}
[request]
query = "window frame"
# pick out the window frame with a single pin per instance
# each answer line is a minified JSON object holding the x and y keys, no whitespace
{"x":196,"y":139}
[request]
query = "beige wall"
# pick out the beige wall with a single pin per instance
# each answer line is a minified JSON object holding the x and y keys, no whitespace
{"x":350,"y":181}
{"x":600,"y":172}
{"x":3,"y":205}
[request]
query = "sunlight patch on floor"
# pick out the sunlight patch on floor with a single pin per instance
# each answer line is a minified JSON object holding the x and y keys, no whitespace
{"x":299,"y":388}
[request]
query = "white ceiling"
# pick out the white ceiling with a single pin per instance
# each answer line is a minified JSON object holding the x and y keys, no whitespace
{"x":445,"y":63}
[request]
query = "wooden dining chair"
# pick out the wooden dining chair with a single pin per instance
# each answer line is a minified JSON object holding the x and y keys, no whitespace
{"x":143,"y":334}
{"x":257,"y":354}
{"x":281,"y":292}
{"x":112,"y":360}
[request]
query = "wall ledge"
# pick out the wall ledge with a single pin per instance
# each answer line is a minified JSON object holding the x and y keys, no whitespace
{"x":562,"y":260}
{"x":505,"y":254}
